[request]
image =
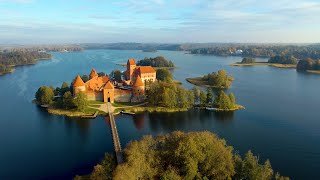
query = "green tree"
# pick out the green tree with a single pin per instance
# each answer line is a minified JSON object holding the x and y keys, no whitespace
{"x":164,"y":75}
{"x":44,"y":95}
{"x":203,"y":98}
{"x":169,"y":98}
{"x":232,"y":99}
{"x":196,"y":92}
{"x":248,"y":60}
{"x":305,"y":64}
{"x":80,"y":101}
{"x":68,"y":100}
{"x":222,"y":101}
{"x":116,"y":75}
{"x":100,"y":74}
{"x":249,"y":168}
{"x":64,"y":88}
{"x":218,"y":80}
{"x":85,"y":78}
{"x":209,"y":96}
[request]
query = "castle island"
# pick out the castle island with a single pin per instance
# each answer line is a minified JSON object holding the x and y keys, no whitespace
{"x":131,"y":89}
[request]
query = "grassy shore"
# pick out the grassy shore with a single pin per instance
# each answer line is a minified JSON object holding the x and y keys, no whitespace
{"x":236,"y":107}
{"x":73,"y":112}
{"x":292,"y":66}
{"x":10,"y":71}
{"x":154,"y":109}
{"x":13,"y":69}
{"x":198,"y":81}
{"x":314,"y":71}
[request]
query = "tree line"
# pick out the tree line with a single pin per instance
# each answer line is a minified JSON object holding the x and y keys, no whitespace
{"x":158,"y":61}
{"x":219,"y":100}
{"x":299,"y":52}
{"x":19,"y":57}
{"x":308,"y":64}
{"x":193,"y":155}
{"x":283,"y":59}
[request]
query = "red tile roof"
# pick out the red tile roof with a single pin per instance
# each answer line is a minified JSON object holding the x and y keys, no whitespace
{"x":78,"y":82}
{"x":138,"y":82}
{"x":131,"y":61}
{"x":109,"y":85}
{"x":146,"y":69}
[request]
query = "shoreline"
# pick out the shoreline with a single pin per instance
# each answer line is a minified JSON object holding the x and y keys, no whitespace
{"x":72,"y":112}
{"x":197,"y":81}
{"x":237,"y":107}
{"x":289,"y":66}
{"x":313,"y":71}
{"x":124,"y":65}
{"x":17,"y":65}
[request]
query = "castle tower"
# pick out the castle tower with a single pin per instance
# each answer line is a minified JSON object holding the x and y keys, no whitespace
{"x":78,"y":85}
{"x":138,"y":87}
{"x":131,"y":65}
{"x":108,"y":92}
{"x":93,"y":74}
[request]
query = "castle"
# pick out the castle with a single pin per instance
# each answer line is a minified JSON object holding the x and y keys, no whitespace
{"x":131,"y":89}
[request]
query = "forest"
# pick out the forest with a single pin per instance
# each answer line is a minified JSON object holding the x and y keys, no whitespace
{"x":297,"y":51}
{"x":8,"y":59}
{"x":158,"y":61}
{"x":197,"y":155}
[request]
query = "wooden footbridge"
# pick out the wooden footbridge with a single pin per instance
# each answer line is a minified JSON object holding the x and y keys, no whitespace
{"x":115,"y":136}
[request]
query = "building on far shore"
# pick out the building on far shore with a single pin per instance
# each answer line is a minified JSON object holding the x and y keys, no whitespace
{"x":132,"y":89}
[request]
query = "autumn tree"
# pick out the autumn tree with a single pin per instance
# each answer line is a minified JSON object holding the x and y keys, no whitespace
{"x":44,"y":95}
{"x":80,"y":101}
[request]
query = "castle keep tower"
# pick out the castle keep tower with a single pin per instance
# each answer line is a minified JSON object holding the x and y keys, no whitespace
{"x":131,"y":66}
{"x":78,"y":85}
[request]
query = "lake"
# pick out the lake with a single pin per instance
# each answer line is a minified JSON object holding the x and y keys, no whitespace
{"x":281,"y":120}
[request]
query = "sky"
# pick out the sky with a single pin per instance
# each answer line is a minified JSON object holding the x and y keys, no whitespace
{"x":159,"y":21}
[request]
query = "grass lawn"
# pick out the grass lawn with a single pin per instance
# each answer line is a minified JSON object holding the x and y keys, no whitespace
{"x":95,"y":102}
{"x":198,"y":81}
{"x":120,"y":104}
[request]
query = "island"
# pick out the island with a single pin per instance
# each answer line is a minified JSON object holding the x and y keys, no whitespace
{"x":275,"y":61}
{"x":220,"y":80}
{"x":197,"y":155}
{"x":139,"y":88}
{"x":19,"y":57}
{"x":149,"y":50}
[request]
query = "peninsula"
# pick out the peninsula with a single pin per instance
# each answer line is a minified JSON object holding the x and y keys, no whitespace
{"x":19,"y":57}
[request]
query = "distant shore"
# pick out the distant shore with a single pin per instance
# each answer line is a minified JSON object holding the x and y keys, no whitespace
{"x":124,"y":65}
{"x":13,"y":69}
{"x":290,"y":66}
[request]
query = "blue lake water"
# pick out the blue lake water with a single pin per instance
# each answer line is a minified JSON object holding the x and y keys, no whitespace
{"x":281,"y":120}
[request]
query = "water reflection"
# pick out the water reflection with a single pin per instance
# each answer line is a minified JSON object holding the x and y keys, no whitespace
{"x":138,"y":120}
{"x":224,"y":116}
{"x":159,"y":122}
